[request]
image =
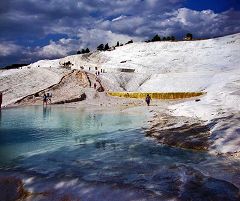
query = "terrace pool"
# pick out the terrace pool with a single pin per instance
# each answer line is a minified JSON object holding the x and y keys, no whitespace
{"x":110,"y":149}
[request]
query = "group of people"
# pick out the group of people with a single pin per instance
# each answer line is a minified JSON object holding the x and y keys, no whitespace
{"x":47,"y":98}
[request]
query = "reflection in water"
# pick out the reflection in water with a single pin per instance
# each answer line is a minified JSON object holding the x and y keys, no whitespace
{"x":80,"y":139}
{"x":0,"y":117}
{"x":103,"y":144}
{"x":46,"y":112}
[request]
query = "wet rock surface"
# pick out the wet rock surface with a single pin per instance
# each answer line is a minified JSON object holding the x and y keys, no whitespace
{"x":177,"y":182}
{"x":11,"y":189}
{"x":180,"y":132}
{"x":184,"y":183}
{"x":207,"y":189}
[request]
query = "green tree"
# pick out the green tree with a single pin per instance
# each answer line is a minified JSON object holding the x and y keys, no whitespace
{"x":189,"y":36}
{"x":100,"y":47}
{"x":156,"y":38}
{"x":131,"y":41}
{"x":87,"y":50}
{"x":106,"y":47}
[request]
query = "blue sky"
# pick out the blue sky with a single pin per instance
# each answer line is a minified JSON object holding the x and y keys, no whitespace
{"x":33,"y":29}
{"x":215,"y":5}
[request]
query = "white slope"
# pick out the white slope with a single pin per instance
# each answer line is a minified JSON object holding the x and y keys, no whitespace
{"x":18,"y":83}
{"x":212,"y":66}
{"x":175,"y":66}
{"x":161,"y":66}
{"x":46,"y":63}
{"x":220,"y":107}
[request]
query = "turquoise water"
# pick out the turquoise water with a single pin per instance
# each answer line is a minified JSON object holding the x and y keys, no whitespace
{"x":57,"y":142}
{"x":29,"y":130}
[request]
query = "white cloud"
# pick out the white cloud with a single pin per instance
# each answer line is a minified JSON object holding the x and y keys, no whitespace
{"x":57,"y":49}
{"x":190,"y":17}
{"x":8,"y":48}
{"x":127,"y":25}
{"x":66,"y":46}
{"x":152,"y":3}
{"x":119,"y":18}
{"x":202,"y":23}
{"x":94,"y":37}
{"x":87,"y":38}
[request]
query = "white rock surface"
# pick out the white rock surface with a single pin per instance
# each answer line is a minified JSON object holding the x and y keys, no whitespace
{"x":212,"y":66}
{"x":18,"y":83}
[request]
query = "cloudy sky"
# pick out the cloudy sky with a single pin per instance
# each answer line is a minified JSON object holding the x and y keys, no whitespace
{"x":36,"y":29}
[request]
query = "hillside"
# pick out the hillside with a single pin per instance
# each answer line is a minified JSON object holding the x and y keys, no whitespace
{"x":211,"y":66}
{"x":158,"y":64}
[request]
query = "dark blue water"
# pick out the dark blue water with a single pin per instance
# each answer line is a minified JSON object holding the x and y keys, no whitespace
{"x":109,"y":148}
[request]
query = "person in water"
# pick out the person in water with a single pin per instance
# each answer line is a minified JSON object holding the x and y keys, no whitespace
{"x":148,"y":99}
{"x":45,"y":99}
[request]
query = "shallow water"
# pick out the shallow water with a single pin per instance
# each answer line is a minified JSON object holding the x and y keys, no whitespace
{"x":110,"y":148}
{"x":34,"y":129}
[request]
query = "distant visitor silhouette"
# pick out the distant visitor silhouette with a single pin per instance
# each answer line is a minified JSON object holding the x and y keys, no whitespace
{"x":148,"y":99}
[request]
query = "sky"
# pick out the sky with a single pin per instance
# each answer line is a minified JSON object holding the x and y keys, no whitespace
{"x":31,"y":30}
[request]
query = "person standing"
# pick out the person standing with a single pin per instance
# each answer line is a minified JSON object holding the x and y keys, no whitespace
{"x":45,"y":99}
{"x":49,"y":97}
{"x":148,"y":99}
{"x":1,"y":95}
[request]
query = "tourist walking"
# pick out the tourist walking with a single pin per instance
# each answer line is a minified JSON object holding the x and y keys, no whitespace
{"x":148,"y":99}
